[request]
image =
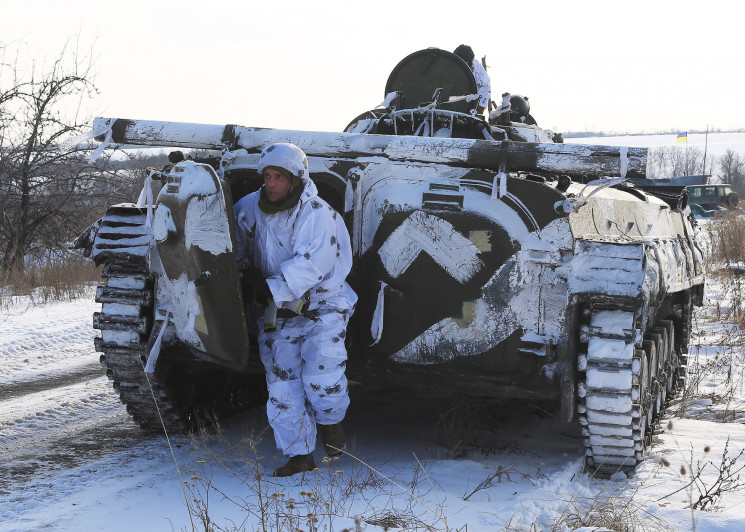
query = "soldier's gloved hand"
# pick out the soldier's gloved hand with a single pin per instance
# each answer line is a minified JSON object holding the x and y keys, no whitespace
{"x":255,"y":286}
{"x":262,"y":290}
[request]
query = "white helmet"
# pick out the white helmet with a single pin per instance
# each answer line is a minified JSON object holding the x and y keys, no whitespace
{"x":286,"y":156}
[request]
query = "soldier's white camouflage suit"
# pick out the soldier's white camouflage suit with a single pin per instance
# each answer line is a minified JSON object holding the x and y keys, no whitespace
{"x":483,"y":83}
{"x":302,"y":250}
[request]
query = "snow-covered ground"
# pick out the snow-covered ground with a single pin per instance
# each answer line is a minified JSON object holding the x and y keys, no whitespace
{"x":71,"y":459}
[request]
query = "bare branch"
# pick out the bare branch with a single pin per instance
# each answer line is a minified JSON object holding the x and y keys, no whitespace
{"x":46,"y":190}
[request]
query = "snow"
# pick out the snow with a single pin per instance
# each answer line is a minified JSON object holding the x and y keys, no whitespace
{"x":608,"y":348}
{"x":63,"y":344}
{"x":615,"y":322}
{"x":620,"y":380}
{"x":73,"y":460}
{"x":205,"y":224}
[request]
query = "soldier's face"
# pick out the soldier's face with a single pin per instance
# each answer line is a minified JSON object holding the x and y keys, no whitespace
{"x":276,"y":186}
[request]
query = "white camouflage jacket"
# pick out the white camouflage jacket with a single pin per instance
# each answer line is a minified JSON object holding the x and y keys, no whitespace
{"x":483,"y":83}
{"x":303,"y":249}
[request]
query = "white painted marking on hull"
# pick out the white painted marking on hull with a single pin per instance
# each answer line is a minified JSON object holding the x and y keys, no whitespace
{"x":436,"y":237}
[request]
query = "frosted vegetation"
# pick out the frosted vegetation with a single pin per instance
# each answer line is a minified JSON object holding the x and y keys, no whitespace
{"x":671,"y":161}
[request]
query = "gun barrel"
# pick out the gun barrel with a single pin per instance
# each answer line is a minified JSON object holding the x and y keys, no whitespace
{"x":578,"y":160}
{"x":166,"y":134}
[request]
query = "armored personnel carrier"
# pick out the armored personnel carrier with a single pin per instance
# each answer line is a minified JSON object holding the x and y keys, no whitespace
{"x":489,"y":261}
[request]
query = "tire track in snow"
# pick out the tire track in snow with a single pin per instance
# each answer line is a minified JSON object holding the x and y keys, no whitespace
{"x":31,"y":470}
{"x":30,"y":423}
{"x":19,"y":388}
{"x":58,"y":428}
{"x":57,"y":409}
{"x":46,"y":340}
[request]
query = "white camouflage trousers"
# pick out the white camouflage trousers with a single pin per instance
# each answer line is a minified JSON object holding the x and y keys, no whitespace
{"x":305,"y":362}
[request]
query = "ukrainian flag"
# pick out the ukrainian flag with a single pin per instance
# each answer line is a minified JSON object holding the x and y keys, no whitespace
{"x":682,"y":137}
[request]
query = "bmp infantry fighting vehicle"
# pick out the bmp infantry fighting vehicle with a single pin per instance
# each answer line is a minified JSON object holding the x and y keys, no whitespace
{"x":489,"y":260}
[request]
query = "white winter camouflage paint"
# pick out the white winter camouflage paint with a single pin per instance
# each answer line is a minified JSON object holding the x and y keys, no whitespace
{"x":521,"y":281}
{"x":206,"y":226}
{"x":376,"y":327}
{"x":163,"y":225}
{"x":180,"y":297}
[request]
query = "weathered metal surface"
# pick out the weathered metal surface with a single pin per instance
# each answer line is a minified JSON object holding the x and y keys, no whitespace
{"x":121,"y":233}
{"x":572,"y":159}
{"x":198,"y":283}
{"x":419,"y":75}
{"x":197,"y":136}
{"x":483,"y":267}
{"x":171,"y":398}
{"x":123,"y":341}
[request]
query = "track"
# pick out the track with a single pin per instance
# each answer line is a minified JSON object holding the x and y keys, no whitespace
{"x":628,"y":378}
{"x":178,"y":396}
{"x":64,"y":417}
{"x":125,"y":322}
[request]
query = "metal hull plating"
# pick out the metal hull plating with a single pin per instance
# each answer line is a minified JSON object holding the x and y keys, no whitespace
{"x":482,"y":267}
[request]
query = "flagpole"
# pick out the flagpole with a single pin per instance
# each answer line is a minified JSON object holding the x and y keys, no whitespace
{"x":706,"y":145}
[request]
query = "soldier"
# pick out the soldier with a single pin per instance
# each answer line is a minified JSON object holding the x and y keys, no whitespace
{"x":302,"y":249}
{"x":482,"y":78}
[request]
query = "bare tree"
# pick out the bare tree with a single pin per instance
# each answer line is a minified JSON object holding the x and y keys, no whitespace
{"x":732,"y":170}
{"x":675,"y":161}
{"x":694,"y":162}
{"x":44,"y":187}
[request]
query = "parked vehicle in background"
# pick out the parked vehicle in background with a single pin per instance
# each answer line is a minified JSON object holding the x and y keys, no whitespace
{"x":713,"y":196}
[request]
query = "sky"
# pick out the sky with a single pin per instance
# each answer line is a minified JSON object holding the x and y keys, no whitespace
{"x":632,"y":66}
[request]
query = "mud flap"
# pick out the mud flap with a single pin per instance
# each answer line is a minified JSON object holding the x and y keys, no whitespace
{"x":200,"y":287}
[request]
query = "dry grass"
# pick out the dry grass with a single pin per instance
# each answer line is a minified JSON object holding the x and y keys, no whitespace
{"x":727,"y":238}
{"x":611,"y":512}
{"x":59,"y":280}
{"x":327,"y":494}
{"x":718,"y":335}
{"x":724,"y":475}
{"x":726,"y":262}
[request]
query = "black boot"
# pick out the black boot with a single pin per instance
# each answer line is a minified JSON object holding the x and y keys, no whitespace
{"x":334,"y":439}
{"x":296,"y":464}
